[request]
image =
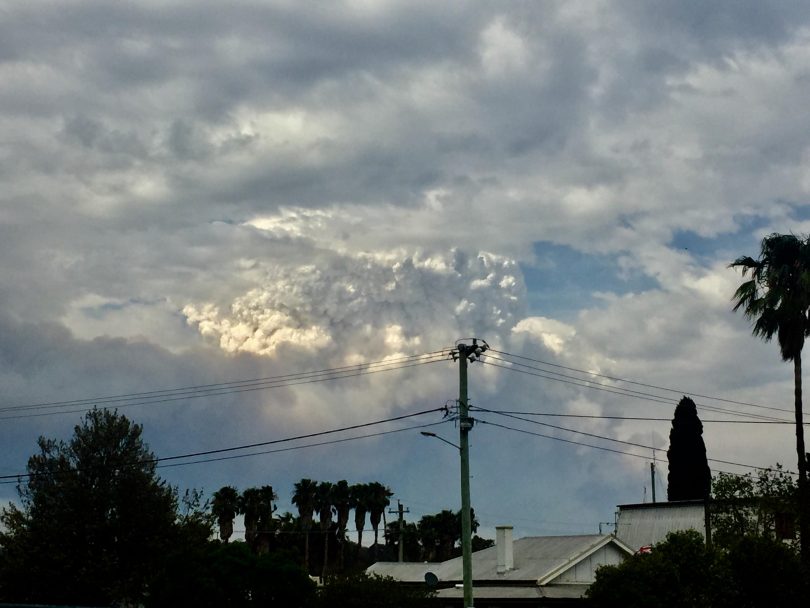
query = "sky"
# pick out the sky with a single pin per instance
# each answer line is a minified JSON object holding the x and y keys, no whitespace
{"x":199,"y":193}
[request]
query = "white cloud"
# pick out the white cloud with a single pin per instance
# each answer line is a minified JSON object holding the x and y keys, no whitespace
{"x":502,"y":49}
{"x":553,"y":334}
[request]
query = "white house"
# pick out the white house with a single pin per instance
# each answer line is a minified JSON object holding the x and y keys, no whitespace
{"x":532,"y":571}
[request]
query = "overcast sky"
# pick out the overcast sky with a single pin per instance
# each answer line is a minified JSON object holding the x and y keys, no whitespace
{"x":202,"y":192}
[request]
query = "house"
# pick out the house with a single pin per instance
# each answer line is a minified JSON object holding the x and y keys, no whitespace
{"x":532,"y":571}
{"x":642,"y":525}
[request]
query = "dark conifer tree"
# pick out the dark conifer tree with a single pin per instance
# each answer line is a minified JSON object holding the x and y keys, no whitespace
{"x":689,"y":476}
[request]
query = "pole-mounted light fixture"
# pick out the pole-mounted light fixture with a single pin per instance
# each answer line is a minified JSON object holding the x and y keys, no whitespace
{"x":435,"y":436}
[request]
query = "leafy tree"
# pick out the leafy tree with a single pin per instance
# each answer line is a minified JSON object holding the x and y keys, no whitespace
{"x":747,"y":506}
{"x":224,"y":507}
{"x":371,"y":591}
{"x":479,"y":543}
{"x":94,"y":521}
{"x":777,"y":299}
{"x":304,"y":499}
{"x":677,"y":572}
{"x":760,"y":572}
{"x":689,"y":475}
{"x":411,"y":549}
{"x":439,"y":534}
{"x":682,"y":571}
{"x":232,"y":576}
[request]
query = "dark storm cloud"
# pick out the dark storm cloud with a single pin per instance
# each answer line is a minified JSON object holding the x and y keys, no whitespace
{"x":268,"y":49}
{"x":717,"y":27}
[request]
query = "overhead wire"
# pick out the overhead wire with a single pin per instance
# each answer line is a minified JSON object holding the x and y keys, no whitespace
{"x":305,"y":446}
{"x":613,"y":450}
{"x":606,"y":438}
{"x":230,"y":384}
{"x":629,"y":418}
{"x":566,"y":429}
{"x":392,"y":364}
{"x":593,"y":385}
{"x":227,"y":388}
{"x":642,"y":384}
{"x":14,"y":478}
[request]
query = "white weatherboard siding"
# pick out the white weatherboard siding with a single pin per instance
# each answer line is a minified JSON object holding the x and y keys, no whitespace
{"x":584,"y":571}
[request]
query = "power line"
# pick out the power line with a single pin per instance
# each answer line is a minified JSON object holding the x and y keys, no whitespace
{"x":615,"y":390}
{"x":228,"y":384}
{"x":615,"y":451}
{"x":172,"y":395}
{"x":578,"y":432}
{"x":301,"y":447}
{"x":627,"y":392}
{"x":574,"y":379}
{"x":19,"y":476}
{"x":660,"y":388}
{"x":631,"y":418}
{"x":620,"y":441}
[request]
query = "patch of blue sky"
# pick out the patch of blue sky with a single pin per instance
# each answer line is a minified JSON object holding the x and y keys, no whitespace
{"x":723,"y":246}
{"x":102,"y":310}
{"x":564,"y":281}
{"x":801,"y":213}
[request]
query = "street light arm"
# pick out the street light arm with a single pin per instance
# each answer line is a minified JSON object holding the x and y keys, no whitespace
{"x":434,"y":435}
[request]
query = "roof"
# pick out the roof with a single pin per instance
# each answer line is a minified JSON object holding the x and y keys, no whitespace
{"x":670,"y":504}
{"x":515,"y":593}
{"x":537,"y":561}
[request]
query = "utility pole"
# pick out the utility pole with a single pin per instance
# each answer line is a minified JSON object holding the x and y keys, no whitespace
{"x":401,"y":520}
{"x":652,"y":480}
{"x":466,"y":353}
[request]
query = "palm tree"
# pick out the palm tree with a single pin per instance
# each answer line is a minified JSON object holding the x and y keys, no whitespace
{"x":304,"y":499}
{"x":777,"y":299}
{"x":224,"y":507}
{"x":250,"y":505}
{"x":429,"y":537}
{"x":378,"y":500}
{"x":324,"y":507}
{"x":359,"y":502}
{"x":265,"y":519}
{"x":342,"y":501}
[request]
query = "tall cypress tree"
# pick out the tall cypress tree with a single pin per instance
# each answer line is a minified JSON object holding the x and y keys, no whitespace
{"x":689,"y":476}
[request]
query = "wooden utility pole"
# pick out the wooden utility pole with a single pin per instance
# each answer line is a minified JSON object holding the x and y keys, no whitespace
{"x":401,"y":511}
{"x":466,"y":353}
